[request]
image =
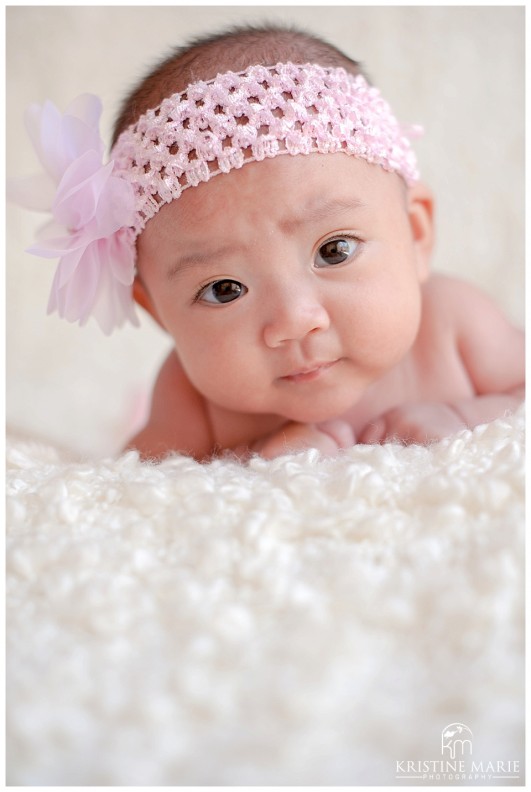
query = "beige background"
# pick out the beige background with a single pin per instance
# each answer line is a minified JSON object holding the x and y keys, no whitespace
{"x":459,"y":71}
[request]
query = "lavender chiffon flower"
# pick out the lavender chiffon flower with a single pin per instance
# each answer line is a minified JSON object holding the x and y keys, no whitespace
{"x":92,"y":210}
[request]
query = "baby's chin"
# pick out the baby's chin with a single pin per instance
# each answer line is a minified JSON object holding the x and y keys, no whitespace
{"x":305,"y":404}
{"x":315,"y":414}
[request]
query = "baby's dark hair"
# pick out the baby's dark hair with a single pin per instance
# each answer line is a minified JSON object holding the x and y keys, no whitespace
{"x":234,"y":49}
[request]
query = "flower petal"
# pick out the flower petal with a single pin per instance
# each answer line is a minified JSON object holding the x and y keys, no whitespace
{"x":115,"y":207}
{"x":84,"y":285}
{"x":80,"y":127}
{"x":59,"y":139}
{"x":43,"y":124}
{"x":113,"y":304}
{"x":87,"y":107}
{"x":73,"y":297}
{"x":79,"y":191}
{"x":122,"y":258}
{"x":52,"y":247}
{"x":92,"y":213}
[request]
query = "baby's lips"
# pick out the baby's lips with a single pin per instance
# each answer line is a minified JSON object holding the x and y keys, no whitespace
{"x":340,"y":431}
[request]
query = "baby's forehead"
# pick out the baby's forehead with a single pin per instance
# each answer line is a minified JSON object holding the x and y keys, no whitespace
{"x":288,"y":176}
{"x":288,"y":189}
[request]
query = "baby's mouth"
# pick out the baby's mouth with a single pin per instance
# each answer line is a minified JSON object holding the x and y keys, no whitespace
{"x":309,"y":373}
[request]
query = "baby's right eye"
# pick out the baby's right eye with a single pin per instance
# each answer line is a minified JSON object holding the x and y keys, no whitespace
{"x":220,"y":292}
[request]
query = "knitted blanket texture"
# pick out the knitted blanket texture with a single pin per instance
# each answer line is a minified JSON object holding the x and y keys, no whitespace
{"x":300,"y":621}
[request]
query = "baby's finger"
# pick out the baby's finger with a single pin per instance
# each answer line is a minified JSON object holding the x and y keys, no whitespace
{"x":374,"y":432}
{"x":340,"y":431}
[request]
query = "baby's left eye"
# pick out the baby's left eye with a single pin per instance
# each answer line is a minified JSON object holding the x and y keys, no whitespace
{"x":335,"y":251}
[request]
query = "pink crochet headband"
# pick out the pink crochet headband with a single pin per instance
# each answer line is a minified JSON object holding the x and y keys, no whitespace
{"x":209,"y":128}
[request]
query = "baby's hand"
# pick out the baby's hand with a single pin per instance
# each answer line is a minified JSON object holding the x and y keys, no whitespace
{"x":328,"y":437}
{"x":414,"y":423}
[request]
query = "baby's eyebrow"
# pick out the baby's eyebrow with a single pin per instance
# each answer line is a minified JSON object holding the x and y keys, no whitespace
{"x":314,"y":212}
{"x":199,"y":259}
{"x":320,"y":210}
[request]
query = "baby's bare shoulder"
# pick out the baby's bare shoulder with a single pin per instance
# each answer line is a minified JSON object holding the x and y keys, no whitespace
{"x":490,"y":346}
{"x":445,"y":291}
{"x":459,"y":303}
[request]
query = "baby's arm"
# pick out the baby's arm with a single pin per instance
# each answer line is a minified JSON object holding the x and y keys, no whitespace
{"x":178,"y":419}
{"x":491,"y":351}
{"x":327,"y":437}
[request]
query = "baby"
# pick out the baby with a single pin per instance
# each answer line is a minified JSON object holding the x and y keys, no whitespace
{"x":296,"y":289}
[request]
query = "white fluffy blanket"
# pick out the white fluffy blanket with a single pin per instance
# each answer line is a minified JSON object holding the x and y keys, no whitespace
{"x":300,"y":621}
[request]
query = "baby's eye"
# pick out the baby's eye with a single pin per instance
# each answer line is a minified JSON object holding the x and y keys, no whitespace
{"x":335,"y":251}
{"x":223,"y":291}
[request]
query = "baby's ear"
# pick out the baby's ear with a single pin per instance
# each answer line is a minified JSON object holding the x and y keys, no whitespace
{"x":420,"y":207}
{"x":143,"y":298}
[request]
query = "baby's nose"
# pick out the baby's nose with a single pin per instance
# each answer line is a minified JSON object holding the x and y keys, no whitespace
{"x":292,"y":318}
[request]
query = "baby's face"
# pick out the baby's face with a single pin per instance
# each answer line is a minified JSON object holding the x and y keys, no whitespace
{"x":290,"y":285}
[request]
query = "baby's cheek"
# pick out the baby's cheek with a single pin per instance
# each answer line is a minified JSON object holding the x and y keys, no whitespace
{"x":384,"y":332}
{"x":226,"y":377}
{"x":399,"y":318}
